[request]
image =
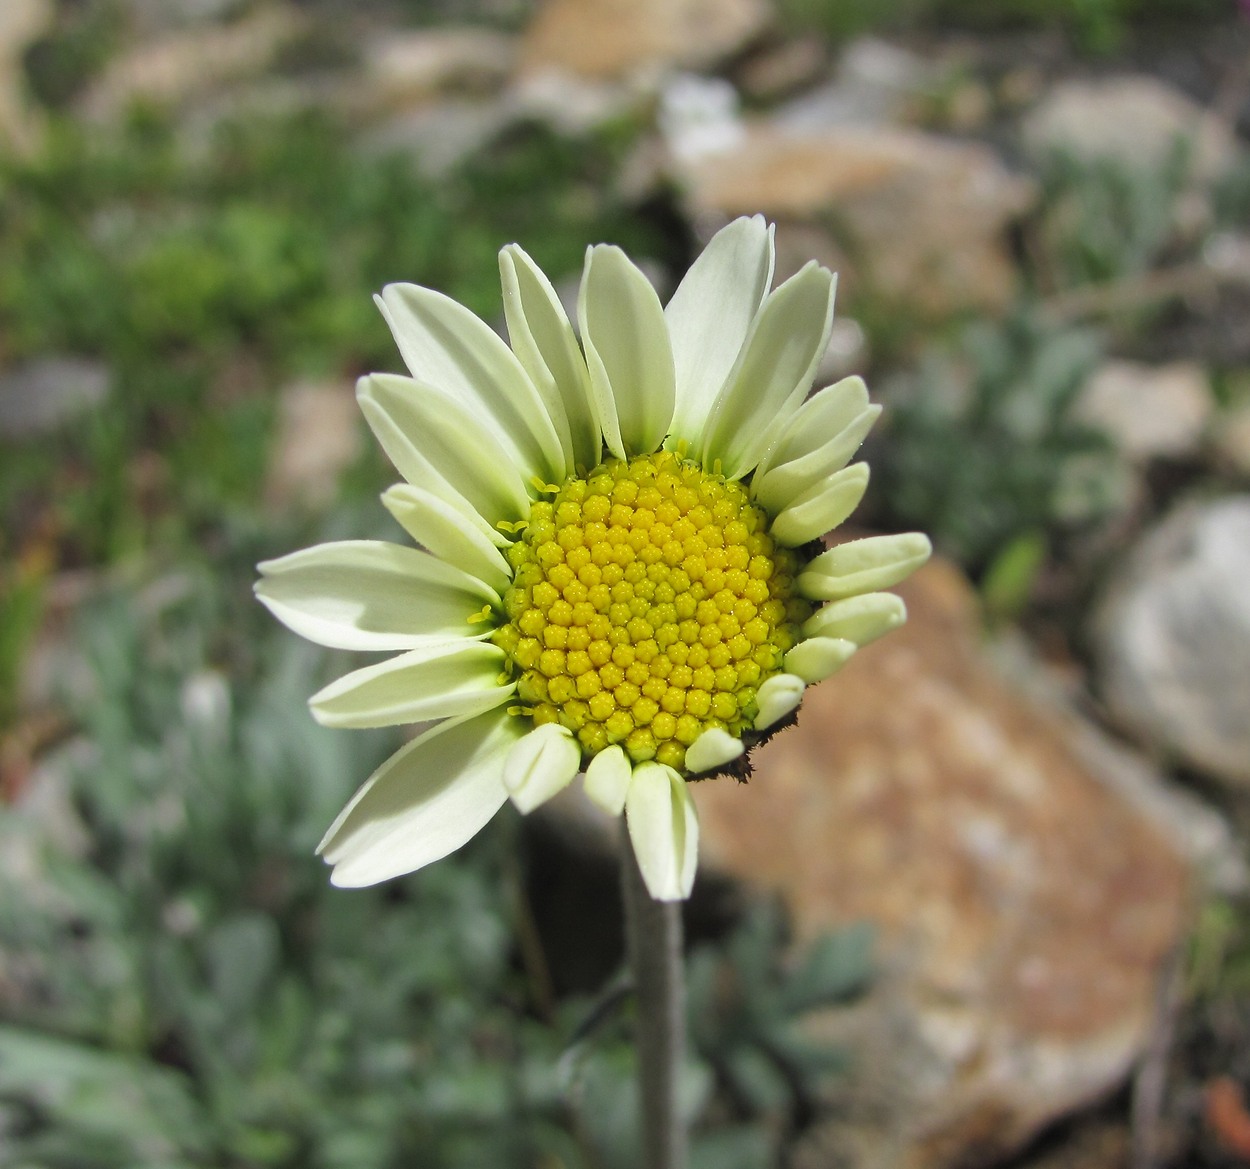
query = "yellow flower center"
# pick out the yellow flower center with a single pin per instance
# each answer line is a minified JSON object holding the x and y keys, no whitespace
{"x":648,"y":604}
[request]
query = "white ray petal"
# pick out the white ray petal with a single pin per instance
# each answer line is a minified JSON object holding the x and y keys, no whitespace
{"x":627,"y":352}
{"x":713,"y":748}
{"x":860,"y":619}
{"x":777,"y":697}
{"x":710,"y":317}
{"x":821,"y":508}
{"x":817,"y":658}
{"x":427,"y":800}
{"x":664,"y":831}
{"x":543,"y":340}
{"x":438,"y":444}
{"x":773,"y":373}
{"x":446,"y":345}
{"x":367,"y":594}
{"x":607,"y":779}
{"x":820,"y":439}
{"x":440,"y":527}
{"x":441,"y":680}
{"x":786,"y":483}
{"x":863,"y":566}
{"x":827,"y":412}
{"x":541,"y":765}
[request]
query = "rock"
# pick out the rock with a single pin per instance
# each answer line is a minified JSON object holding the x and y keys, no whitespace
{"x":440,"y":135}
{"x":613,"y":40}
{"x":40,"y":395}
{"x":186,"y":64}
{"x":1025,"y":909}
{"x":1173,"y":639}
{"x":1149,"y":411}
{"x":924,"y":217}
{"x":21,"y":23}
{"x":874,"y":85}
{"x":783,"y":68}
{"x":1231,"y":429}
{"x":1232,"y":439}
{"x":699,"y":117}
{"x":154,"y":16}
{"x":1196,"y":828}
{"x":318,"y":437}
{"x":1136,"y":121}
{"x":404,"y":68}
{"x":846,"y":353}
{"x":574,"y":105}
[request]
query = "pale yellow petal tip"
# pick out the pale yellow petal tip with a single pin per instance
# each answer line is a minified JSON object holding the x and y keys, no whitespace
{"x":540,"y":765}
{"x":714,"y":748}
{"x":817,"y":658}
{"x":343,"y":877}
{"x":776,"y":698}
{"x":862,"y":618}
{"x":607,"y":780}
{"x":664,"y":831}
{"x":821,"y":508}
{"x":863,"y":566}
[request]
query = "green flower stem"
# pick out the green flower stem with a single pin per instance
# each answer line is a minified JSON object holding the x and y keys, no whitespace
{"x":653,"y":942}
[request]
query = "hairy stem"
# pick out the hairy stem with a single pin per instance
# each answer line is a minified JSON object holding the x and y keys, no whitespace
{"x":653,"y":945}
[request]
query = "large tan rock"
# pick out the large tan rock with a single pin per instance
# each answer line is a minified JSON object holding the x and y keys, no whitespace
{"x":612,"y":40}
{"x":1025,"y":908}
{"x":918,"y":219}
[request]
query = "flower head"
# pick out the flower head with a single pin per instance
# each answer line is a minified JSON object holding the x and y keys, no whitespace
{"x":619,"y":568}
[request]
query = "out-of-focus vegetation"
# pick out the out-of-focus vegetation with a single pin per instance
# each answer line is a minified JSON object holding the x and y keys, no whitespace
{"x":1095,"y":26}
{"x":204,"y":274}
{"x":1015,"y":461}
{"x":182,"y":987}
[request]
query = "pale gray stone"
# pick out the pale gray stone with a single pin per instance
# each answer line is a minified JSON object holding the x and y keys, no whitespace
{"x":1136,"y":121}
{"x":38,"y":396}
{"x":1173,"y":639}
{"x":1149,"y":412}
{"x":438,"y":136}
{"x":873,"y":83}
{"x":401,"y":68}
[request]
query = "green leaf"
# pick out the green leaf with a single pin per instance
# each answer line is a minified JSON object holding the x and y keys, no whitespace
{"x":1010,"y":577}
{"x":147,"y":1114}
{"x":742,"y":1146}
{"x":834,"y":969}
{"x":242,"y":955}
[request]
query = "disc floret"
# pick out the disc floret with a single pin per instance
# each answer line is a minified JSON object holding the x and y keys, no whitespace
{"x":648,"y":605}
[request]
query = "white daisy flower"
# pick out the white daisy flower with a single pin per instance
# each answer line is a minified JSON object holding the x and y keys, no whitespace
{"x":619,"y":570}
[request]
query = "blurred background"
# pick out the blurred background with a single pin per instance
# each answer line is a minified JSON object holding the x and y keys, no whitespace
{"x":985,"y":906}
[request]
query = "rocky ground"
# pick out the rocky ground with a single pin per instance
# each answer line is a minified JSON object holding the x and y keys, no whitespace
{"x":1037,"y":791}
